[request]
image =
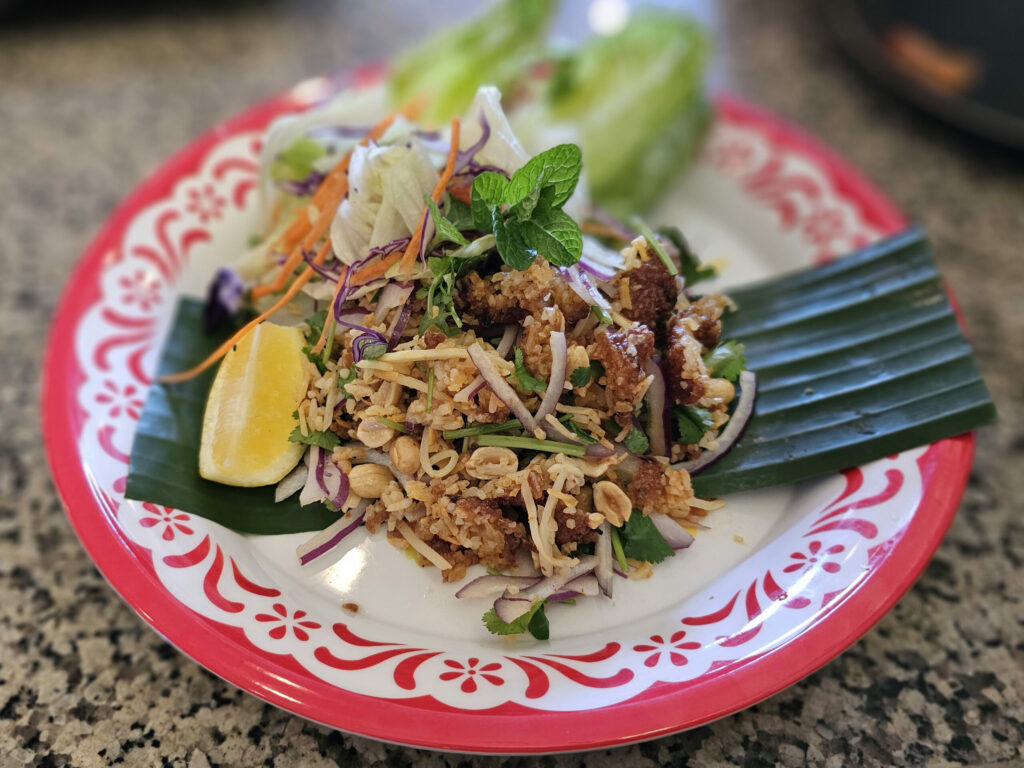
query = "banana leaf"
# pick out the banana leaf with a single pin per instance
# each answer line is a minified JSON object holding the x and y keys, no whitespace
{"x":164,"y":462}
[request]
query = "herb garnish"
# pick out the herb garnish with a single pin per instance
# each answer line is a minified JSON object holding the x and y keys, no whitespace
{"x":533,"y":621}
{"x":522,"y":378}
{"x":525,"y":213}
{"x":326,"y":440}
{"x":641,"y":540}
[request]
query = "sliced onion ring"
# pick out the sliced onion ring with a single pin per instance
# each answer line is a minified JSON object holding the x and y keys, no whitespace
{"x":556,"y":382}
{"x":733,"y":430}
{"x":393,"y":296}
{"x":510,"y":607}
{"x":605,"y":560}
{"x":501,"y":388}
{"x":657,"y":411}
{"x":330,"y":537}
{"x":494,"y":584}
{"x":675,"y":535}
{"x":508,"y":338}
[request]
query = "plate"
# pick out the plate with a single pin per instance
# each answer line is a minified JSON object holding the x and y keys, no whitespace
{"x":784,"y":581}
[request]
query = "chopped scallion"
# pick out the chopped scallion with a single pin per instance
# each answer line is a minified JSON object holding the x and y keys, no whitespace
{"x":391,"y":424}
{"x":481,"y":429}
{"x":620,"y":554}
{"x":641,"y":226}
{"x":532,"y":444}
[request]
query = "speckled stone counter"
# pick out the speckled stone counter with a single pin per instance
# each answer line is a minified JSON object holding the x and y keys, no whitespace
{"x":91,"y":101}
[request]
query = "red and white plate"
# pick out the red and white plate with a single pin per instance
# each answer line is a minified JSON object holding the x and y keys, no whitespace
{"x":784,"y":581}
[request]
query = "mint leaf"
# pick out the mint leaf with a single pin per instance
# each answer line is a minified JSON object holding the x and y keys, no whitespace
{"x":510,"y":243}
{"x":726,"y":360}
{"x":642,"y":541}
{"x":524,"y":623}
{"x":553,"y":175}
{"x":487,"y":195}
{"x":325,"y":440}
{"x":553,"y":234}
{"x":445,"y":231}
{"x":523,"y":378}
{"x":636,"y":441}
{"x":459,"y":214}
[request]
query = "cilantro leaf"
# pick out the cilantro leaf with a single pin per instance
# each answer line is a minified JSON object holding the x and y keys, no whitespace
{"x":636,"y":441}
{"x":581,"y":376}
{"x":523,"y":378}
{"x":440,"y":293}
{"x":726,"y":360}
{"x":689,"y":265}
{"x":446,"y":232}
{"x":692,"y":423}
{"x":641,"y":540}
{"x":325,"y":440}
{"x":347,"y":379}
{"x":523,"y":624}
{"x":577,"y":430}
{"x":315,"y":323}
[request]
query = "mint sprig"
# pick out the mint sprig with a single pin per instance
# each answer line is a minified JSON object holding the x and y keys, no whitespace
{"x":525,"y":213}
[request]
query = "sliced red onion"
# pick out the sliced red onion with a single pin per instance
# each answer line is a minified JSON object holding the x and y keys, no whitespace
{"x":675,"y":535}
{"x":601,"y":273}
{"x":733,"y":429}
{"x":400,"y":322}
{"x":598,"y":451}
{"x":492,"y":585}
{"x":508,"y":609}
{"x":365,"y":341}
{"x":582,"y":287}
{"x":393,"y":296}
{"x":582,"y":586}
{"x":324,"y":479}
{"x":354,"y":318}
{"x":556,"y":382}
{"x":501,"y":388}
{"x":332,"y":536}
{"x":657,"y":410}
{"x":291,"y":483}
{"x":605,"y":559}
{"x":612,"y":223}
{"x":518,"y":604}
{"x":311,"y":491}
{"x":508,"y":338}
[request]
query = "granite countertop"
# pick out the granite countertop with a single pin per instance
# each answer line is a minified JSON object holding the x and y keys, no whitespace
{"x":92,"y":100}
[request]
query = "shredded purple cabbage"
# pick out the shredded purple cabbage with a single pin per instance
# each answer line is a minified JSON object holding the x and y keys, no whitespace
{"x":369,"y":344}
{"x":224,"y":298}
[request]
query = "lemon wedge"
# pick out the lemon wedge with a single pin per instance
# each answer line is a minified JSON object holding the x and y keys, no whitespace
{"x":248,"y":418}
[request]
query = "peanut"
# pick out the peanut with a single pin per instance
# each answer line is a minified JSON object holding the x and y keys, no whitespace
{"x":491,"y":462}
{"x":612,"y":502}
{"x":405,"y":455}
{"x":369,"y":480}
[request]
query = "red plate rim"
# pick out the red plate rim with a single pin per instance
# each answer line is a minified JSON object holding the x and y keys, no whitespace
{"x":425,"y":722}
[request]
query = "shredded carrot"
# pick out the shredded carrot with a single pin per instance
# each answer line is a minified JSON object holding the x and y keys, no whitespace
{"x":329,"y":320}
{"x":224,"y":348}
{"x":411,"y":250}
{"x":326,"y":199}
{"x":462,"y":192}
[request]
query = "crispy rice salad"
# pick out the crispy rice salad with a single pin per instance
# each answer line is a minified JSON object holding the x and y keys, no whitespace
{"x":499,"y":374}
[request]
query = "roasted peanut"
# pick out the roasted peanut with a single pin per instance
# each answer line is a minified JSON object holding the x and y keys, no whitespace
{"x":405,"y":455}
{"x":369,"y":480}
{"x":373,"y":434}
{"x":612,"y":502}
{"x":491,"y":462}
{"x":721,"y":390}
